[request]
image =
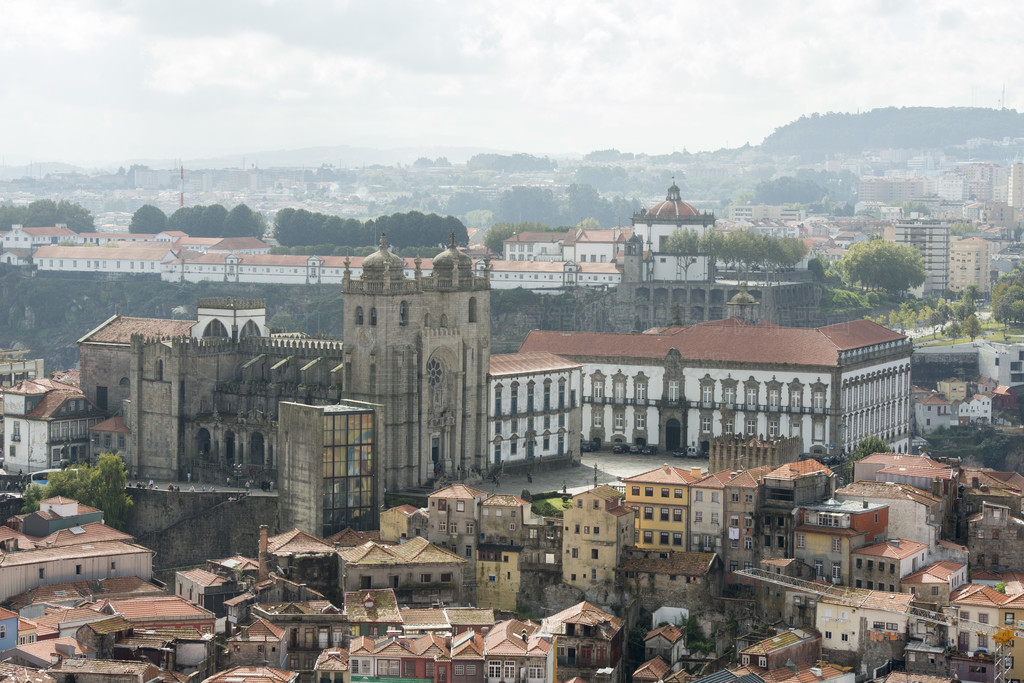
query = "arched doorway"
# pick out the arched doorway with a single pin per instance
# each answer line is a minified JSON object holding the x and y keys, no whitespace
{"x":673,"y":434}
{"x":203,"y":443}
{"x":256,"y":449}
{"x":229,"y":448}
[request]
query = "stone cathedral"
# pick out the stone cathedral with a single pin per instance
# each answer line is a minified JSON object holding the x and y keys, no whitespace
{"x":420,"y":347}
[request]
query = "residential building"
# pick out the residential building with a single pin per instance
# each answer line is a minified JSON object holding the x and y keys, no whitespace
{"x":332,"y":666}
{"x":930,"y":238}
{"x":975,"y":409}
{"x":536,"y":412}
{"x":259,"y":643}
{"x":985,"y":485}
{"x":206,"y":589}
{"x":994,"y":537}
{"x":707,"y":528}
{"x":828,"y":532}
{"x":305,"y":627}
{"x":975,"y":606}
{"x":598,"y":528}
{"x":73,"y":669}
{"x":882,"y":566}
{"x":1003,"y":362}
{"x":659,"y":577}
{"x":590,"y":643}
{"x":46,"y":421}
{"x":157,"y":611}
{"x":667,"y":643}
{"x":970,"y":264}
{"x":503,"y":532}
{"x":952,"y":389}
{"x":373,"y":612}
{"x":417,"y":571}
{"x":863,"y":629}
{"x":914,"y":514}
{"x":785,"y":489}
{"x":514,"y":650}
{"x":8,"y":629}
{"x":934,"y":583}
{"x":25,"y":569}
{"x":468,"y":658}
{"x":534,"y":246}
{"x":403,"y":522}
{"x":683,"y":386}
{"x":253,"y":674}
{"x":934,"y":412}
{"x":661,"y":499}
{"x":15,"y":368}
{"x":795,"y":646}
{"x":742,"y":494}
{"x":453,"y":513}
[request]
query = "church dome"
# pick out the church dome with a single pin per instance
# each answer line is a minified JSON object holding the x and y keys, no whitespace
{"x":447,"y":259}
{"x":376,"y":263}
{"x":673,"y":207}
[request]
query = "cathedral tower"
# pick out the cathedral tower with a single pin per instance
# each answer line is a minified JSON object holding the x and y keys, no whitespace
{"x":420,"y":347}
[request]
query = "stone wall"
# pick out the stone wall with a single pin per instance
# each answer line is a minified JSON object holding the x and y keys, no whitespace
{"x":200,"y":526}
{"x":928,"y":368}
{"x":737,"y":452}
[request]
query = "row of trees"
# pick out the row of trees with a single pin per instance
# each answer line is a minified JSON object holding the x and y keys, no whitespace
{"x":47,"y":213}
{"x":294,"y":227}
{"x":740,"y":249}
{"x":102,"y":487}
{"x":200,"y":221}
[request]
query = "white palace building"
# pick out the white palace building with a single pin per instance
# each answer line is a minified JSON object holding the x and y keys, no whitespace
{"x":680,"y":387}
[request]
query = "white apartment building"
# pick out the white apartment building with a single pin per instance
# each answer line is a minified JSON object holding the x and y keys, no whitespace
{"x":931,"y":239}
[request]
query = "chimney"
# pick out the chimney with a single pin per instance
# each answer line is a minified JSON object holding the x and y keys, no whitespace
{"x":974,"y":482}
{"x":895,"y":542}
{"x":264,"y":557}
{"x":695,"y":472}
{"x":865,"y":505}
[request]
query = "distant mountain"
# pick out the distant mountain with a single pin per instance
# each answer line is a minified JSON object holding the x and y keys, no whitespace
{"x":821,"y":136}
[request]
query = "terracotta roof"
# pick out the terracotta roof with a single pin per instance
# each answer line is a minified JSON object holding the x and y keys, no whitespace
{"x":346,"y":538}
{"x":651,"y":670}
{"x":742,"y":343}
{"x":795,"y":470}
{"x":778,"y":642}
{"x":888,"y":490}
{"x":668,"y":632}
{"x":922,"y":472}
{"x":332,"y":659}
{"x":510,"y":364}
{"x":677,"y":563}
{"x":297,"y":542}
{"x":111,"y":424}
{"x":203,"y":577}
{"x":665,"y":474}
{"x":93,"y":532}
{"x":83,"y":550}
{"x":470,"y":616}
{"x":261,"y":629}
{"x":902,"y":459}
{"x":936,"y":572}
{"x":505,"y":638}
{"x":12,"y":673}
{"x":890,"y":550}
{"x":153,"y":607}
{"x":468,"y":645}
{"x":458,"y":491}
{"x":535,"y":236}
{"x":904,"y":677}
{"x":45,"y":649}
{"x":978,"y":595}
{"x":252,"y":674}
{"x":504,"y":500}
{"x":434,"y":617}
{"x":119,"y":329}
{"x":714,"y":480}
{"x":385,"y":606}
{"x":114,"y":624}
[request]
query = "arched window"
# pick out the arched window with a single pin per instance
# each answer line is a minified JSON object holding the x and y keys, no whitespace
{"x":444,"y":320}
{"x":373,"y":316}
{"x":403,"y":313}
{"x":426,"y":320}
{"x":160,"y":370}
{"x":359,"y":315}
{"x":215,"y":328}
{"x":472,"y":309}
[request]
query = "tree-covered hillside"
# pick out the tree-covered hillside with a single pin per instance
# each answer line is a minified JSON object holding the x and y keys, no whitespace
{"x":820,"y":136}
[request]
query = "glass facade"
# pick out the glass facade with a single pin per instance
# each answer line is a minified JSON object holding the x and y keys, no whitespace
{"x":348,"y":460}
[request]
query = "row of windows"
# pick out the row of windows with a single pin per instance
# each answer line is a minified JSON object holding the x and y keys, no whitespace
{"x":752,"y":395}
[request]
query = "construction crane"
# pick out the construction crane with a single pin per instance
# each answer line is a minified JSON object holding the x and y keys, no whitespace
{"x":1002,"y":636}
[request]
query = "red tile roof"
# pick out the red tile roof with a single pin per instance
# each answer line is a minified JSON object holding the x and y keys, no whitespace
{"x":460,"y":491}
{"x":744,"y":343}
{"x":666,"y":474}
{"x":795,"y":470}
{"x":119,"y":329}
{"x":892,"y":551}
{"x":936,"y":572}
{"x":508,"y":364}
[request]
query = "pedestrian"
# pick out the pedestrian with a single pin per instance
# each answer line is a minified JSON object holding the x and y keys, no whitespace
{"x":229,"y":481}
{"x":192,"y":489}
{"x":204,"y":488}
{"x":189,"y":477}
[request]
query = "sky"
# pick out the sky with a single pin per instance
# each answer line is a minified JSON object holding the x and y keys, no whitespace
{"x":101,"y":81}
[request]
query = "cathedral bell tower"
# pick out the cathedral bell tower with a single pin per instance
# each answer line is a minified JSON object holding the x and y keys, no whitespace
{"x":420,"y":347}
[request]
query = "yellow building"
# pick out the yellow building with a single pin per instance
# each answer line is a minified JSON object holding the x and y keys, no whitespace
{"x":952,"y":389}
{"x":401,"y":523}
{"x":1011,"y":615}
{"x":597,"y":527}
{"x":661,"y":499}
{"x":970,"y":263}
{"x":497,"y":576}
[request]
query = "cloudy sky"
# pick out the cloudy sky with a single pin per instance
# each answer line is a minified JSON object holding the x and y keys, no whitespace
{"x":91,"y":81}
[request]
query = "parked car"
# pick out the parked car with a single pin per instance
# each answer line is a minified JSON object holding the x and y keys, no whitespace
{"x":620,"y":448}
{"x":587,"y":446}
{"x":635,"y":449}
{"x":649,"y":450}
{"x":680,"y":453}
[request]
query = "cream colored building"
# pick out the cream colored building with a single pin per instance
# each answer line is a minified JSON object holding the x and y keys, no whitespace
{"x":597,"y":527}
{"x":970,"y":263}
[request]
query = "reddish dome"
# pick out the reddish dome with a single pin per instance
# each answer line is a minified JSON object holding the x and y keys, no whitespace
{"x":673,"y":206}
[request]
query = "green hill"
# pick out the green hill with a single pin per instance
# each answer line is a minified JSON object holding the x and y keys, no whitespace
{"x":821,"y":136}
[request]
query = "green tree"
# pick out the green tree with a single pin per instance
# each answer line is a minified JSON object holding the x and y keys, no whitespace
{"x":242,"y":221}
{"x":867,"y":446}
{"x":953,"y":330}
{"x":148,"y":219}
{"x":877,"y":264}
{"x":687,"y":245}
{"x":971,"y":327}
{"x":102,"y":487}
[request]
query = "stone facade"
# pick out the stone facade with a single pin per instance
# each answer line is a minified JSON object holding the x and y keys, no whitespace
{"x":734,"y":452}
